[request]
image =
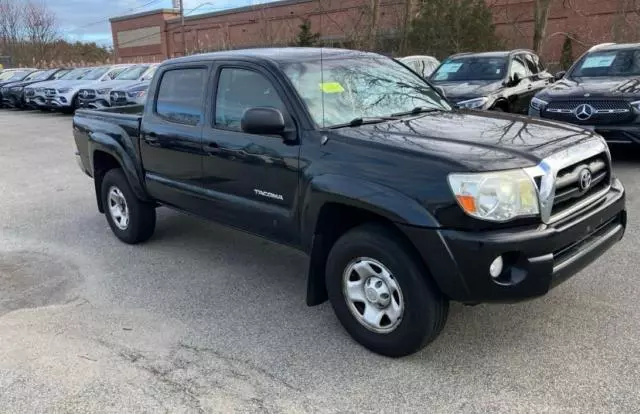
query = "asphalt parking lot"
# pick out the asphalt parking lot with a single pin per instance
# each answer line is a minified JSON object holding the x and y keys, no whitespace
{"x":206,"y":319}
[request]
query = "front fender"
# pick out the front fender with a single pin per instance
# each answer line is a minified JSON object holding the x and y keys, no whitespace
{"x":354,"y":192}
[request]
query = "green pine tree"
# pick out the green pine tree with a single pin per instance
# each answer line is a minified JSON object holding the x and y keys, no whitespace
{"x":305,"y":36}
{"x":566,"y":58}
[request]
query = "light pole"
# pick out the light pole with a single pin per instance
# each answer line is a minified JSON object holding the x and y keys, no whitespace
{"x":184,"y":43}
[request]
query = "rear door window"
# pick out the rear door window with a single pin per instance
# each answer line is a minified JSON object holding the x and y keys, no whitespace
{"x":180,"y":95}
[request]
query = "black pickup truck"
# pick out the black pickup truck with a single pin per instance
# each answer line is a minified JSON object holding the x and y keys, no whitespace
{"x":402,"y":202}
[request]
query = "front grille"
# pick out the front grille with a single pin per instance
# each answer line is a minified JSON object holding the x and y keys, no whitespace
{"x":579,"y":181}
{"x":39,"y":90}
{"x":602,"y":111}
{"x":87,"y":94}
{"x":117,"y":97}
{"x":49,"y":92}
{"x":29,"y":93}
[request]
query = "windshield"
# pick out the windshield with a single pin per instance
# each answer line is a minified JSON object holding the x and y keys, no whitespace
{"x":471,"y":68}
{"x":95,"y":74}
{"x":75,"y":74}
{"x":18,"y":75}
{"x":32,"y":76}
{"x":358,"y":87}
{"x":60,"y":74}
{"x":132,"y":73}
{"x":43,"y":75}
{"x":608,"y":63}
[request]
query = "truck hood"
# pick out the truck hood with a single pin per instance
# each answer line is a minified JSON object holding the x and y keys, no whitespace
{"x":469,"y":89}
{"x":614,"y":87}
{"x":474,"y":140}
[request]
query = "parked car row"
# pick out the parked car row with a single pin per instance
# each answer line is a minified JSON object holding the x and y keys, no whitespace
{"x":67,"y":89}
{"x":601,"y":90}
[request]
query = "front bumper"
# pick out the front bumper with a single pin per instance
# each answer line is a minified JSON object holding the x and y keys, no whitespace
{"x":613,"y":134}
{"x":536,"y":258}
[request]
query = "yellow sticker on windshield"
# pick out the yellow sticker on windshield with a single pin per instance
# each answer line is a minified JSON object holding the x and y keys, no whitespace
{"x":331,"y":87}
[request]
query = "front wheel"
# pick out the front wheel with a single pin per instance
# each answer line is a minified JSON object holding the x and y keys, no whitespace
{"x":131,"y":219}
{"x":381,"y":292}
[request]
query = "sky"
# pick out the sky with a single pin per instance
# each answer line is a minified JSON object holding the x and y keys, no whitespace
{"x":88,"y":20}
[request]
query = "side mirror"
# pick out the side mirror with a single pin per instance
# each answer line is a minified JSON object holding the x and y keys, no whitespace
{"x":515,"y":79}
{"x":560,"y":75}
{"x":263,"y":121}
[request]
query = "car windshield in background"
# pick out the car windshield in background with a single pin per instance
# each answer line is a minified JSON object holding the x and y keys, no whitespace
{"x":75,"y":74}
{"x":339,"y":90}
{"x":33,"y":76}
{"x":471,"y":68}
{"x":18,"y":75}
{"x":95,"y":74}
{"x":132,"y":73}
{"x":60,"y":74}
{"x":608,"y":63}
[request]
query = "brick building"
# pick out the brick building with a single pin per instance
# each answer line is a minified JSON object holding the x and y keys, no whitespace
{"x":157,"y":35}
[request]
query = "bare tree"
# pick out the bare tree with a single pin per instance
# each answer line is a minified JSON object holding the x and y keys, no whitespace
{"x":540,"y":17}
{"x":11,"y":17}
{"x":40,"y":28}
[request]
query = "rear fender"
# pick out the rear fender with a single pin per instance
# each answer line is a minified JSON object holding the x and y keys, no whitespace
{"x":125,"y":157}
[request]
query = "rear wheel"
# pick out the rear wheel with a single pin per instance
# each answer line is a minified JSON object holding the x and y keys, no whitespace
{"x":382,"y":294}
{"x":131,"y":219}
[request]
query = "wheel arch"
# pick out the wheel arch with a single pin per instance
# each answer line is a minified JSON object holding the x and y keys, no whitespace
{"x":328,"y":214}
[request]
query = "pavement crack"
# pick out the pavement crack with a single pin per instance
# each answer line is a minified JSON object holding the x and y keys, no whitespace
{"x":243,"y":362}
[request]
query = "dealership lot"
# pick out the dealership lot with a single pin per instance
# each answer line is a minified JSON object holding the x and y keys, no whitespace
{"x":206,"y":319}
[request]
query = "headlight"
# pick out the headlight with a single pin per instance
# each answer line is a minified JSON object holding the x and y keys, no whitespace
{"x":636,"y":105}
{"x":64,"y":90}
{"x":538,"y":104}
{"x":473,"y":103}
{"x":39,"y":89}
{"x":16,"y":89}
{"x":137,"y":94}
{"x":496,"y":196}
{"x":103,"y":91}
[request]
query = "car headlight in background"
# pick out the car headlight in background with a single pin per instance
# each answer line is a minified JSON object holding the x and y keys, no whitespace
{"x":137,"y":94}
{"x":16,"y":89}
{"x":496,"y":196}
{"x":64,"y":90}
{"x":103,"y":91}
{"x":473,"y":103}
{"x":636,"y":105}
{"x":538,"y":104}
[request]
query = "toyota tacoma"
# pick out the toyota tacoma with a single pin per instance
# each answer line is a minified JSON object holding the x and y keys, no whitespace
{"x":402,"y":202}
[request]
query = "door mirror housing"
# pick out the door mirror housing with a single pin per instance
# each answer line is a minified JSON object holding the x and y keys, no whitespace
{"x":440,"y":90}
{"x":559,"y":75}
{"x":263,"y":121}
{"x":514,"y":80}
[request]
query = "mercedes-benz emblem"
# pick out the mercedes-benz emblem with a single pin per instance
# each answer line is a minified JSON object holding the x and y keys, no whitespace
{"x":585,"y":179}
{"x":584,"y":112}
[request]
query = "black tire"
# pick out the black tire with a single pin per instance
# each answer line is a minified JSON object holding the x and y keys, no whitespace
{"x":141,"y":216}
{"x":425,"y":308}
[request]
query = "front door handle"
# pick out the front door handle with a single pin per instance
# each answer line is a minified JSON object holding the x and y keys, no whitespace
{"x":213,"y":148}
{"x":151,"y":138}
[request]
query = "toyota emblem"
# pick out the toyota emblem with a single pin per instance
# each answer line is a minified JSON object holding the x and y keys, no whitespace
{"x":585,"y":179}
{"x":584,"y":112}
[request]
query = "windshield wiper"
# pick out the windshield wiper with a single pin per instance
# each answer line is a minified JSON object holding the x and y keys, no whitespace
{"x":417,"y":110}
{"x":355,"y":122}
